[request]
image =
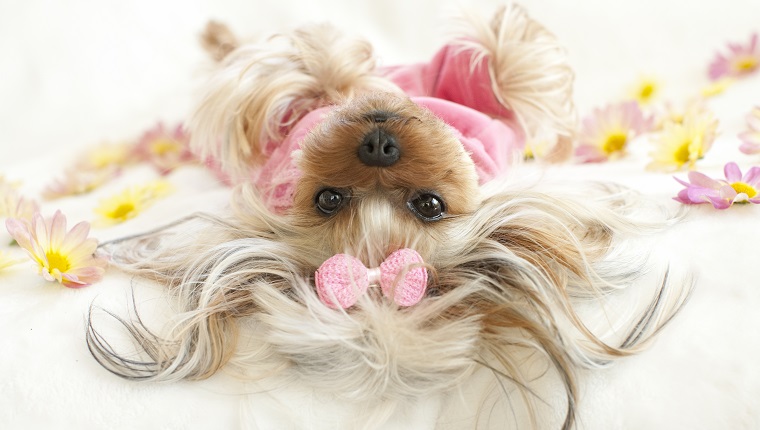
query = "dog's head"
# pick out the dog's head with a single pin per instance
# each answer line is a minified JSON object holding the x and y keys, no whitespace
{"x":381,"y":173}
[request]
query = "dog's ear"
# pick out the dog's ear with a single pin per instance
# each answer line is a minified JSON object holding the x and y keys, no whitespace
{"x":218,"y":40}
{"x":260,"y":90}
{"x":531,"y":75}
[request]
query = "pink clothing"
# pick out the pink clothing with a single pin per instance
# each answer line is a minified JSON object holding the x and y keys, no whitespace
{"x":459,"y":95}
{"x":451,"y":76}
{"x":276,"y":181}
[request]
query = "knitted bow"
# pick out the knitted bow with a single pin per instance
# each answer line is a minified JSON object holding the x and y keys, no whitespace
{"x":343,"y":278}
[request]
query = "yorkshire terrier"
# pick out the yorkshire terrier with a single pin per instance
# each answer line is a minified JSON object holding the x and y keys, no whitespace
{"x":355,"y":176}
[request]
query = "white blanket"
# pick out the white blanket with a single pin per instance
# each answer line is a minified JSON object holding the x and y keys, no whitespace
{"x":75,"y":73}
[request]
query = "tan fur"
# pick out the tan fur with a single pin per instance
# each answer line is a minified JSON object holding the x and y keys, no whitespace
{"x":530,"y":74}
{"x":218,"y":40}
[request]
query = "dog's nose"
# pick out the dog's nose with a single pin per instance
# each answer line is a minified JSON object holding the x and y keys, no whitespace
{"x":379,"y":148}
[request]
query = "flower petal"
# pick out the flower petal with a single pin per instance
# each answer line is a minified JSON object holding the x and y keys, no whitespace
{"x":702,"y":180}
{"x":81,"y":254}
{"x":719,"y":203}
{"x":752,"y":177}
{"x":732,"y":172}
{"x":700,"y":194}
{"x":683,"y":197}
{"x":40,"y":230}
{"x":57,"y":230}
{"x":749,"y":148}
{"x":88,"y":275}
{"x":682,"y":182}
{"x":75,"y":237}
{"x":19,"y":231}
{"x":72,"y":281}
{"x":728,"y":192}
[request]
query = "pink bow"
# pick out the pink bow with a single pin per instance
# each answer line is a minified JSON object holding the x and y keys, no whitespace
{"x":343,"y":278}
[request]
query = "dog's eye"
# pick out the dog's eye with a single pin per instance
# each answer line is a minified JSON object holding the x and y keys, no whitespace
{"x":329,"y":200}
{"x":427,"y":207}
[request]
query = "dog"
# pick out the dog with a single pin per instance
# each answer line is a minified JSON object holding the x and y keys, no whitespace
{"x":346,"y":169}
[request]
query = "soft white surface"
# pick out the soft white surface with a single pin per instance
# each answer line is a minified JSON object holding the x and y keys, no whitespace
{"x":73,"y":73}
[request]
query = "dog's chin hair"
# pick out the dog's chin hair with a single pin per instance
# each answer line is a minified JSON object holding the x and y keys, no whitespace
{"x":505,"y":287}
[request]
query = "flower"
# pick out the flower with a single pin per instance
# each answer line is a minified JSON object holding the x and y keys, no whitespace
{"x":12,"y":204}
{"x":61,"y":255}
{"x":717,"y":87}
{"x":645,"y":90}
{"x":682,"y":144}
{"x":165,"y":149}
{"x":722,"y":193}
{"x":606,"y":133}
{"x":6,"y":261}
{"x":741,"y":60}
{"x":751,"y":138}
{"x":677,"y":113}
{"x":92,"y":169}
{"x":130,"y":202}
{"x":79,"y":181}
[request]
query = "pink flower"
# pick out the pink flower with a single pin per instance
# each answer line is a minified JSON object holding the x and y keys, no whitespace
{"x":751,"y":138}
{"x":61,"y":255}
{"x":607,"y":132}
{"x":722,"y":193}
{"x":165,"y":149}
{"x":741,"y":60}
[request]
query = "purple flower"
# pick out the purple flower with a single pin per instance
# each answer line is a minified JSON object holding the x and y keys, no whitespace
{"x":722,"y":193}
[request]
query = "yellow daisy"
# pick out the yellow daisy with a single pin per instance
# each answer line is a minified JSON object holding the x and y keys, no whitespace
{"x":717,"y":87}
{"x":130,"y":202}
{"x":681,"y":144}
{"x":645,"y":90}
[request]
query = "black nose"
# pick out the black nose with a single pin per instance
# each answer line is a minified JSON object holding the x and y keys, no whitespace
{"x":379,"y":148}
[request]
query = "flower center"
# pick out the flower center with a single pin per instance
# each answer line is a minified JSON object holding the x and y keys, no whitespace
{"x":57,"y":261}
{"x":743,"y":187}
{"x":745,"y":63}
{"x":682,"y":154}
{"x":529,"y":155}
{"x":165,"y":146}
{"x":122,"y":211}
{"x":646,"y":92}
{"x":615,"y":142}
